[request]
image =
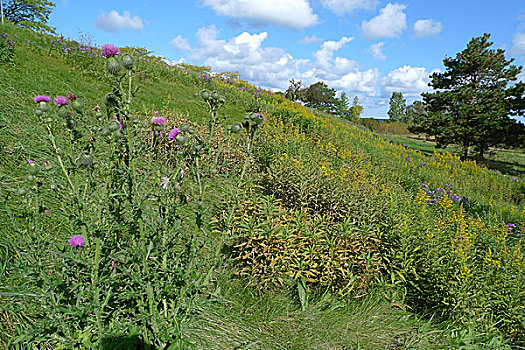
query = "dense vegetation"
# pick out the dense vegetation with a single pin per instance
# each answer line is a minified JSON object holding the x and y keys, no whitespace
{"x":168,"y":207}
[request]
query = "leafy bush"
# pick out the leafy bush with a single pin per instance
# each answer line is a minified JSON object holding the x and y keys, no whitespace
{"x":272,"y":244}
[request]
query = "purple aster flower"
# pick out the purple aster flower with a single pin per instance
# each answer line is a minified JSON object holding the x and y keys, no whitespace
{"x":76,"y":241}
{"x":173,"y":134}
{"x":511,"y":227}
{"x":456,"y":198}
{"x":422,"y":163}
{"x":109,"y":50}
{"x":61,"y":101}
{"x":159,"y":120}
{"x":41,"y":98}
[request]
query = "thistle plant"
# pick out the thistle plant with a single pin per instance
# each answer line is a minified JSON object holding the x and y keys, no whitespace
{"x":130,"y":261}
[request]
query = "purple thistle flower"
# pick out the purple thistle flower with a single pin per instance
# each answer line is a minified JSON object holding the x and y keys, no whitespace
{"x":109,"y":50}
{"x":41,"y":98}
{"x":61,"y":101}
{"x":173,"y":134}
{"x":159,"y":120}
{"x":30,"y":161}
{"x":76,"y":241}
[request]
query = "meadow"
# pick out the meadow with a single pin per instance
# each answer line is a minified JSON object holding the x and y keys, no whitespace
{"x":147,"y":206}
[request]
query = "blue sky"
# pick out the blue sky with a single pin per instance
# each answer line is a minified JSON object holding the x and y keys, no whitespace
{"x":367,"y":48}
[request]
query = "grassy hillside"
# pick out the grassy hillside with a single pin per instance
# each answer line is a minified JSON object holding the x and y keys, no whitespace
{"x":243,"y":221}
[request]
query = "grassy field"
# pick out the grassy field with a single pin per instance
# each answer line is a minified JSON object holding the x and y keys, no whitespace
{"x":510,"y":162}
{"x":288,"y":231}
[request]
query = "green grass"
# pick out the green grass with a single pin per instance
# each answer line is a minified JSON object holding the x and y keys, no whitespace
{"x":511,"y":162}
{"x":233,"y":315}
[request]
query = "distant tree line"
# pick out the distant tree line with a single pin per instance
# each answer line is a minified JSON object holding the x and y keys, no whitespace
{"x":320,"y":96}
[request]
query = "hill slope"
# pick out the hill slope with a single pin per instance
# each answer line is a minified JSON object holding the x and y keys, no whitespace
{"x":299,"y":232}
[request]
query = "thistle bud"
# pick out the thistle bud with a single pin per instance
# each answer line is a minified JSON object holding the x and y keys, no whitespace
{"x":33,"y":168}
{"x":113,"y":66}
{"x":181,"y":139}
{"x":43,"y":106}
{"x":111,"y":98}
{"x":30,"y":178}
{"x":71,"y":123}
{"x":127,"y":61}
{"x":215,"y":95}
{"x":22,"y":191}
{"x":77,"y":105}
{"x":38,"y":112}
{"x":205,"y":94}
{"x":184,"y":127}
{"x":63,"y":112}
{"x":258,"y":118}
{"x":236,"y":128}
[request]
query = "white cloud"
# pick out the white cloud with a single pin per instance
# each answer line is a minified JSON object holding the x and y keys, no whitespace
{"x":427,"y":27}
{"x":296,"y":14}
{"x":411,"y":81}
{"x":180,"y":43}
{"x":113,"y":22}
{"x":390,"y":22}
{"x":364,"y":82}
{"x":324,"y":56}
{"x":273,"y":67}
{"x":310,"y":39}
{"x":518,"y":44}
{"x":376,"y":51}
{"x":340,"y":7}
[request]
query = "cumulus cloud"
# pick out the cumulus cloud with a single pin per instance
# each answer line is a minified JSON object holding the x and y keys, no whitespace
{"x":296,"y":14}
{"x":273,"y":67}
{"x":341,"y":7}
{"x":390,"y":22}
{"x":376,"y":51}
{"x":310,"y":39}
{"x":411,"y":81}
{"x":324,"y":56}
{"x":427,"y":27}
{"x":113,"y":22}
{"x":180,"y":43}
{"x":363,"y":82}
{"x":518,"y":44}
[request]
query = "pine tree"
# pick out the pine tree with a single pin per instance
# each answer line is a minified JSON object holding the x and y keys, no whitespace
{"x":472,"y":105}
{"x":398,"y":107}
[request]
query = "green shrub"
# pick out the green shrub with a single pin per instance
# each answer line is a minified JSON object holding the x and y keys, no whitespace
{"x":272,"y":244}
